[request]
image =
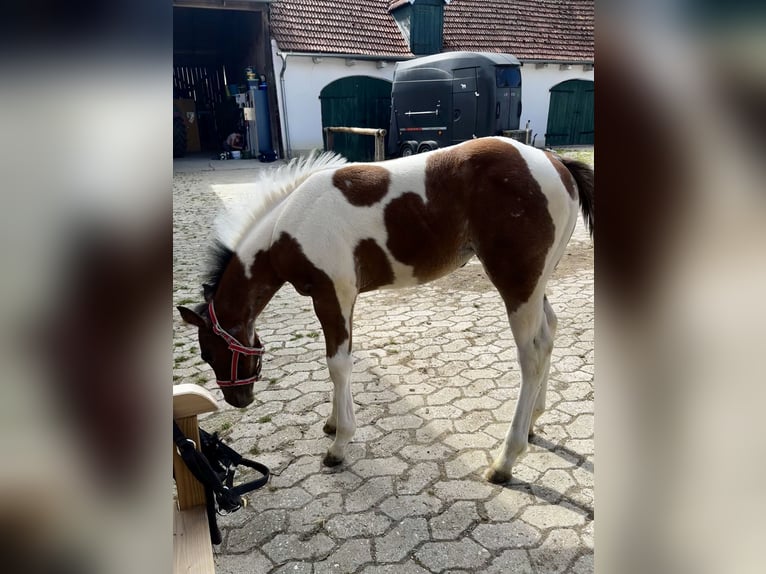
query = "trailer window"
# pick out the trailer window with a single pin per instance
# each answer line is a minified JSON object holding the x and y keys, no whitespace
{"x":508,"y":76}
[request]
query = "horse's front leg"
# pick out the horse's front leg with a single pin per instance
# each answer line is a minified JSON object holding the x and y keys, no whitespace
{"x":334,"y":312}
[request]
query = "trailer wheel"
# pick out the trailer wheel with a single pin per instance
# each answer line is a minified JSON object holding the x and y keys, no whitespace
{"x":408,"y":149}
{"x":427,"y":146}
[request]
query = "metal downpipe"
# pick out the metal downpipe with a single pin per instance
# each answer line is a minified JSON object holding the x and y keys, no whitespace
{"x":288,"y":147}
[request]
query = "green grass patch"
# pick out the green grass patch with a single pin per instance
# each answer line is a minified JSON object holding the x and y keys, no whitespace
{"x":254,"y":450}
{"x":313,"y":334}
{"x":225,"y":426}
{"x":264,"y":420}
{"x":186,"y":301}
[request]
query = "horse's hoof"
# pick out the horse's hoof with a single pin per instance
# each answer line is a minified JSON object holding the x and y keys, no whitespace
{"x":328,"y":428}
{"x":496,"y":476}
{"x":331,"y":460}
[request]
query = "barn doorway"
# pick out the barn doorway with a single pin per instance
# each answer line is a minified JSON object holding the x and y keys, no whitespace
{"x":360,"y":102}
{"x":570,"y":115}
{"x":215,"y":51}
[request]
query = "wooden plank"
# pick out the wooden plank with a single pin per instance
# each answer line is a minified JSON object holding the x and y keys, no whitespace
{"x":192,"y":549}
{"x":190,"y":492}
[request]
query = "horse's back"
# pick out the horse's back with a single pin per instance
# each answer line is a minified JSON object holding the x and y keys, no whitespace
{"x":411,"y":220}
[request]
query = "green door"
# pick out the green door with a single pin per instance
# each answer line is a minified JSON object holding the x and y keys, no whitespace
{"x":356,"y":102}
{"x":570,"y":115}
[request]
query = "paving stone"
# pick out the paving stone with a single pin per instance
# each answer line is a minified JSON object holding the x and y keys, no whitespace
{"x":408,"y":567}
{"x":433,"y":430}
{"x":556,"y":552}
{"x":390,"y":444}
{"x":401,"y":540}
{"x":290,"y":568}
{"x":583,"y":565}
{"x":379,"y":466}
{"x":462,"y":490}
{"x":397,"y":507}
{"x":296,"y":471}
{"x":472,"y":422}
{"x":461,"y":554}
{"x":548,"y":516}
{"x":294,"y":497}
{"x":454,"y":521}
{"x":343,"y":481}
{"x":364,"y":524}
{"x":256,"y":530}
{"x":581,"y":427}
{"x":417,"y":478}
{"x":286,"y":547}
{"x":347,"y":558}
{"x":511,"y":561}
{"x":240,"y":563}
{"x":443,"y":396}
{"x":545,"y":460}
{"x":429,"y":451}
{"x":471,"y":462}
{"x":507,"y":504}
{"x":315,"y":513}
{"x":369,"y":494}
{"x":500,"y":535}
{"x":464,"y":441}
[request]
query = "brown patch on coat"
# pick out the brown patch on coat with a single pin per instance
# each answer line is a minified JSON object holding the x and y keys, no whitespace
{"x":373,"y":269}
{"x":362,"y":185}
{"x":481,"y":197}
{"x":564,"y":174}
{"x":292,"y":264}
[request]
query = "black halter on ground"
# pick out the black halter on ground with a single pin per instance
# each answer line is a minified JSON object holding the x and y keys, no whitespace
{"x":236,"y":349}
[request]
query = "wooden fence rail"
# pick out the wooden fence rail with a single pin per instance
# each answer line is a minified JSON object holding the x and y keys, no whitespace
{"x":378,"y":133}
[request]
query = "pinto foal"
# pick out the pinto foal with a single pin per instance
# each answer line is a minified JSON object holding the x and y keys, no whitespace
{"x":334,"y":230}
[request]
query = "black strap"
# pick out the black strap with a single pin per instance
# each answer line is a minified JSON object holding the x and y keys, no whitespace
{"x":213,"y":466}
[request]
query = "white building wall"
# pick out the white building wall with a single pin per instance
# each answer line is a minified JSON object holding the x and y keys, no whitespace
{"x":303,"y":81}
{"x":536,"y":97}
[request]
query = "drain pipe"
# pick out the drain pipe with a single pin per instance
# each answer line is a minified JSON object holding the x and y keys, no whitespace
{"x":288,"y":147}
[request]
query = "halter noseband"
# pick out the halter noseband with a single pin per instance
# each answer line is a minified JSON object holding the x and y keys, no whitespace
{"x":236,"y":349}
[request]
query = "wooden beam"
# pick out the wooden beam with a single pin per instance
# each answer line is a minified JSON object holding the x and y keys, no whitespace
{"x":192,"y":549}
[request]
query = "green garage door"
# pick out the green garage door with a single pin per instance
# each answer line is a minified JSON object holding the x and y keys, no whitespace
{"x":357,"y":102}
{"x":570,"y":116}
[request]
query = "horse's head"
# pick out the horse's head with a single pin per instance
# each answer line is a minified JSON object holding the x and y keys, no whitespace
{"x":235,"y":360}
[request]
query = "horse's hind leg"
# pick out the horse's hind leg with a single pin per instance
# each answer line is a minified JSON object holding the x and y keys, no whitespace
{"x":534,"y":341}
{"x":539,"y":407}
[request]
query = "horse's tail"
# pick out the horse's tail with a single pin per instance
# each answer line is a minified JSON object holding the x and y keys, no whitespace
{"x":583,"y":176}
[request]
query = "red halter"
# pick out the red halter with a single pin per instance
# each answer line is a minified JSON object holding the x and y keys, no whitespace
{"x":236,"y":349}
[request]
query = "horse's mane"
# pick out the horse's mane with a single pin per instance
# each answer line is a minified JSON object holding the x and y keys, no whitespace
{"x":270,"y":189}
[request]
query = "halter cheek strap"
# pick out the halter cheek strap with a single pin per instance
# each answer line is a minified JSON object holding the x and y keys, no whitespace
{"x":236,"y":349}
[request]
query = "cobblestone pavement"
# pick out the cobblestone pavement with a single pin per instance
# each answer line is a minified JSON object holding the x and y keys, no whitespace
{"x":435,"y":382}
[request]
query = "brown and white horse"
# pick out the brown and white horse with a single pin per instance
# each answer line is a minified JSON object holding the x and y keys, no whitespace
{"x":334,"y":230}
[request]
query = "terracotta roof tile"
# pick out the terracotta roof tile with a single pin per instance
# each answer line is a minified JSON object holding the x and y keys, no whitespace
{"x":337,"y":26}
{"x":529,"y":29}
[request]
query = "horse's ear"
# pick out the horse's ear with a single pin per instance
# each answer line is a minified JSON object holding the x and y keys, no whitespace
{"x":190,"y":316}
{"x":208,"y":291}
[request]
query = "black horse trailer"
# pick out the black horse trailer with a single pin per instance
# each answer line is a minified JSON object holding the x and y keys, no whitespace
{"x":444,"y":99}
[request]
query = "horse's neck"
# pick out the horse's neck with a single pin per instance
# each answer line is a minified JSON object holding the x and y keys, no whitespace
{"x":259,"y":237}
{"x":252,"y":280}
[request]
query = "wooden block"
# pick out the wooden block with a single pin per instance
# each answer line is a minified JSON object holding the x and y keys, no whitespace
{"x":190,"y":399}
{"x":192,"y":549}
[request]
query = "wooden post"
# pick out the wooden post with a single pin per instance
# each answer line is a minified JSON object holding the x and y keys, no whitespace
{"x":192,"y":548}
